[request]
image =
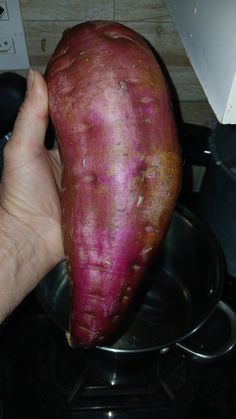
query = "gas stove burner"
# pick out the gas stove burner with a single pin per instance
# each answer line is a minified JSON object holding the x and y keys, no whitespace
{"x":77,"y":381}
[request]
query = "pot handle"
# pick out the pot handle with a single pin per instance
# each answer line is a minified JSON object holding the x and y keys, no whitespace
{"x":215,"y":355}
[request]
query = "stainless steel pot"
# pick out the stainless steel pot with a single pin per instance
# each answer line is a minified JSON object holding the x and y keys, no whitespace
{"x":181,"y":291}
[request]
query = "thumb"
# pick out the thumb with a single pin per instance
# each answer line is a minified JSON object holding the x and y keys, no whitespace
{"x":32,"y":120}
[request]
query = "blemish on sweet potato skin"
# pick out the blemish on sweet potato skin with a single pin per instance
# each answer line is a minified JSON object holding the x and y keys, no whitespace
{"x":111,"y":109}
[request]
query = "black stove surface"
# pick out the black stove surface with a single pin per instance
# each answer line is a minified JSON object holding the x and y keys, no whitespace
{"x":40,"y":379}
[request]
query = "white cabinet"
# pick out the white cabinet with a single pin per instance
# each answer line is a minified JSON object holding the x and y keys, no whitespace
{"x":207,"y":29}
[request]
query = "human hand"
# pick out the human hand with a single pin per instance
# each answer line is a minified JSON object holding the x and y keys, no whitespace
{"x":30,"y":212}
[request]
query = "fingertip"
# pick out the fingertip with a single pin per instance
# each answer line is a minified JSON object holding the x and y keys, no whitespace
{"x":37,"y":92}
{"x":30,"y":79}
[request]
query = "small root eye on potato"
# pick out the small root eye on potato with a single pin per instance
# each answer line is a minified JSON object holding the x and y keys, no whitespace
{"x":111,"y":109}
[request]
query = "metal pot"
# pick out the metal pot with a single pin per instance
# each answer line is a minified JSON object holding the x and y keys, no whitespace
{"x":181,"y":291}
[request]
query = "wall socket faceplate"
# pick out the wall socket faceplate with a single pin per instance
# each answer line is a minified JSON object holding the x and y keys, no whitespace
{"x":13,"y":50}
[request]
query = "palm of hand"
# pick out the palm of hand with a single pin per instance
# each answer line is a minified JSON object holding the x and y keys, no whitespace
{"x":29,"y":194}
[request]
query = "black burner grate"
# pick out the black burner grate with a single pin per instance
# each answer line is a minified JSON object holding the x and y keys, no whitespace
{"x":42,"y":378}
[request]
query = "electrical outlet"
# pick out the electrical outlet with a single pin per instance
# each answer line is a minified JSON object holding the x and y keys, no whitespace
{"x":13,"y":50}
{"x":7,"y":45}
{"x":3,"y":11}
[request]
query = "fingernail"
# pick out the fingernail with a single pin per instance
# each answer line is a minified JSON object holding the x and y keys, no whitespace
{"x":30,"y":79}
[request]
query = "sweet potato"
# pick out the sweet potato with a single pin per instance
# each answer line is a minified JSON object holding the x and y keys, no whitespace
{"x":111,"y":109}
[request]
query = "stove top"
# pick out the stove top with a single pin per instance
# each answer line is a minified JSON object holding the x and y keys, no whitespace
{"x":42,"y":377}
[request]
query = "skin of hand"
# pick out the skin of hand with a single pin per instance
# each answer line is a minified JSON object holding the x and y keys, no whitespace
{"x":30,"y":213}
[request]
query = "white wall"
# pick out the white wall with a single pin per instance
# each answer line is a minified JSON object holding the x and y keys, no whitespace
{"x":207,"y":29}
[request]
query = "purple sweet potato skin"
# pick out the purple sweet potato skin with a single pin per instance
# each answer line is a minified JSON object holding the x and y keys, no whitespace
{"x":111,"y":109}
